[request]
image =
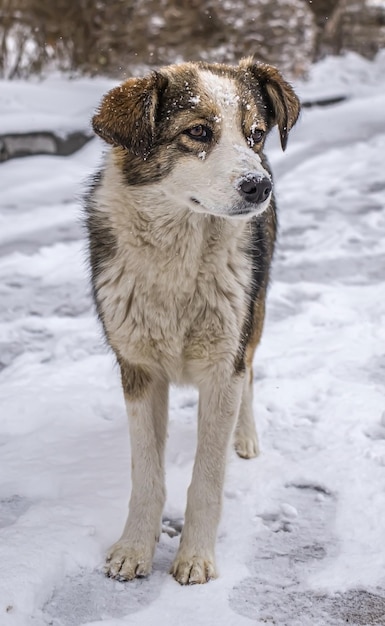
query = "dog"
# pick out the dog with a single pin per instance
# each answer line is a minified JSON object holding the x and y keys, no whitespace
{"x":182,"y":225}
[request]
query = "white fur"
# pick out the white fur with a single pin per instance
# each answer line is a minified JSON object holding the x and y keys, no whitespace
{"x":166,"y":265}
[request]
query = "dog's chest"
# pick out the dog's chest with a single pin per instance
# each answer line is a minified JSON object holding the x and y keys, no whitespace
{"x":173,"y":305}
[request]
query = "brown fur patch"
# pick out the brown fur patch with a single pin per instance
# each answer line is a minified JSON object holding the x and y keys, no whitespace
{"x":127,"y":114}
{"x":260,"y":249}
{"x":148,"y":130}
{"x":102,"y":239}
{"x":284,"y":106}
{"x":135,"y":379}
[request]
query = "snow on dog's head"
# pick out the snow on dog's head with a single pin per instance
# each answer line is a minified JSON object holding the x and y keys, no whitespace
{"x":193,"y":134}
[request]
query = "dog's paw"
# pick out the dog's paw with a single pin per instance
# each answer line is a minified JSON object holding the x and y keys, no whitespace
{"x":125,"y":562}
{"x":246,"y":444}
{"x":193,"y":570}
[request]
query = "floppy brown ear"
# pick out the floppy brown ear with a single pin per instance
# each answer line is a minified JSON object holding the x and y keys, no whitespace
{"x":284,"y":106}
{"x":127,"y":114}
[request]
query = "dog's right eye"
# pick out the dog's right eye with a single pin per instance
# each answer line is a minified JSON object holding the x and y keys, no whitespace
{"x":200,"y":133}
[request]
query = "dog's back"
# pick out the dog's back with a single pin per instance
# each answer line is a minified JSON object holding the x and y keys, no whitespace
{"x":182,"y":227}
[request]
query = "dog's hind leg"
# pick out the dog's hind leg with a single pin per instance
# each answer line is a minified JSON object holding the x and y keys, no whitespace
{"x":245,"y":436}
{"x":219,"y":403}
{"x":147,"y":408}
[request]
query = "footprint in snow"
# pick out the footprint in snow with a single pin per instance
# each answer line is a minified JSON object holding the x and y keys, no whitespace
{"x":11,"y":509}
{"x":91,"y":596}
{"x":297,"y":537}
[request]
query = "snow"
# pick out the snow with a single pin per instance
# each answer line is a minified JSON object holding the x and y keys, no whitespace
{"x":301,"y":537}
{"x":353,"y":76}
{"x":53,"y":104}
{"x":377,"y":3}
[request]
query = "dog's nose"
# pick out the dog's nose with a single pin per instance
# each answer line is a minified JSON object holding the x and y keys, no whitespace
{"x":255,"y":189}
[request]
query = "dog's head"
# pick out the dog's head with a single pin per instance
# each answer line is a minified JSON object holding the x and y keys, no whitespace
{"x":194,"y":133}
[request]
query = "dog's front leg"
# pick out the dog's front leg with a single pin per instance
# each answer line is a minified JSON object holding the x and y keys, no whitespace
{"x":147,"y":408}
{"x":218,"y":409}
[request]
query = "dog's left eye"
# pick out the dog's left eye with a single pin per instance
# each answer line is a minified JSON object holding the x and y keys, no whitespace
{"x":257,"y":135}
{"x":199,"y":132}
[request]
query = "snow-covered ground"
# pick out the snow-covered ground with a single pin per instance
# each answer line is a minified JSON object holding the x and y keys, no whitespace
{"x":301,"y":541}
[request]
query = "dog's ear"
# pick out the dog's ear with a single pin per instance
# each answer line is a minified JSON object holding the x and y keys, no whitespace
{"x":284,"y":106}
{"x":127,"y":114}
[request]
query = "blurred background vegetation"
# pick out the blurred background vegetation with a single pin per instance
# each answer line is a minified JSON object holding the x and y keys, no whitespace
{"x":119,"y":36}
